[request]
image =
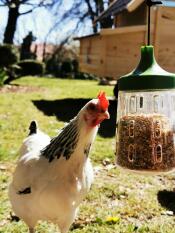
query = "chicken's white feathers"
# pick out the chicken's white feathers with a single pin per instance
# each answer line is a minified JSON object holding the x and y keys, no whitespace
{"x":50,"y":184}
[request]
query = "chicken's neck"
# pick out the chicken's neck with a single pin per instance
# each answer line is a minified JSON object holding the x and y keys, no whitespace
{"x":63,"y":144}
{"x":76,"y":136}
{"x":86,"y":138}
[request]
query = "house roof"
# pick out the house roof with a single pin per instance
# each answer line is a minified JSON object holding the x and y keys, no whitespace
{"x":119,"y":5}
{"x":130,"y":5}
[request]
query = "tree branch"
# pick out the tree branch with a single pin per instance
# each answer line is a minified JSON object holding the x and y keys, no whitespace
{"x":27,"y":12}
{"x":34,"y":7}
{"x":91,"y":12}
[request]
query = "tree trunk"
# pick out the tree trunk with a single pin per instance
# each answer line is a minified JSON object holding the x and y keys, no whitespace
{"x":10,"y":29}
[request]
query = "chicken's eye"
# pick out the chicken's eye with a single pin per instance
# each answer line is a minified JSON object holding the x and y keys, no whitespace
{"x":102,"y":111}
{"x":92,"y":107}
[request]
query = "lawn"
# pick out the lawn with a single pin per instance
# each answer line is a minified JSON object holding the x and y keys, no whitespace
{"x":119,"y":202}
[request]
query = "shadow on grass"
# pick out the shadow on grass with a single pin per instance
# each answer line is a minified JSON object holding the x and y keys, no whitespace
{"x":167,"y":199}
{"x":66,"y":109}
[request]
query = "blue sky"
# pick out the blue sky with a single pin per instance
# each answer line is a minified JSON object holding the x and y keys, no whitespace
{"x":39,"y":22}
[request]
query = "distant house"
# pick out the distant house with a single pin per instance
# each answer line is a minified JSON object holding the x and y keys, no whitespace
{"x":115,"y":51}
{"x":38,"y":49}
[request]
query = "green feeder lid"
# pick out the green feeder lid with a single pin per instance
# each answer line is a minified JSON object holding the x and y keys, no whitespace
{"x":148,"y":75}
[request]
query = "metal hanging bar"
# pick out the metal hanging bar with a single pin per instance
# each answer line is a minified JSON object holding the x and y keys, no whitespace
{"x":150,"y":3}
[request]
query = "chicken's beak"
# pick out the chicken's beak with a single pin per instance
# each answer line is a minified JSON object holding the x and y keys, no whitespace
{"x":104,"y":115}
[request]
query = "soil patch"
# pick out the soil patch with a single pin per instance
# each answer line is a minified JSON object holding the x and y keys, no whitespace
{"x":19,"y":89}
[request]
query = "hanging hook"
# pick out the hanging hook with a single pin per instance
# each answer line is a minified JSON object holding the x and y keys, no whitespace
{"x":150,"y":3}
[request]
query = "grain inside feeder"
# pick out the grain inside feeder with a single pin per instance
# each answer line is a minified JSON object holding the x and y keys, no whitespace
{"x":146,"y":143}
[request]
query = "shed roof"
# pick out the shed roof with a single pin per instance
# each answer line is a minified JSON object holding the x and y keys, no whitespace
{"x":130,"y":5}
{"x":119,"y":5}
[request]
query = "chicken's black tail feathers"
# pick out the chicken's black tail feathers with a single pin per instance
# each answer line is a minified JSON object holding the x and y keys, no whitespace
{"x":33,"y":127}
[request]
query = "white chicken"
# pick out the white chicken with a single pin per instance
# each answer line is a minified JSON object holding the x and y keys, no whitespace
{"x":36,"y":140}
{"x":51,"y":183}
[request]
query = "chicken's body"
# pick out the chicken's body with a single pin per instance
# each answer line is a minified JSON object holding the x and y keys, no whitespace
{"x":50,"y":184}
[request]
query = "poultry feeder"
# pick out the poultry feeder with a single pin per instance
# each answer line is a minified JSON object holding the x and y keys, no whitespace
{"x":145,"y":139}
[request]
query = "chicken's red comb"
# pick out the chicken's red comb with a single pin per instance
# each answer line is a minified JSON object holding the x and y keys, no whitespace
{"x":104,"y":103}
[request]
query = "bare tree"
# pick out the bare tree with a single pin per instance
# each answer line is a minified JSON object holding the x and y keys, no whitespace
{"x":82,"y":10}
{"x":14,"y":12}
{"x":78,"y":11}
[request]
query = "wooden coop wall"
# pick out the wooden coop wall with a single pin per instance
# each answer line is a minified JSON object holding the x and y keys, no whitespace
{"x":166,"y":38}
{"x":112,"y":54}
{"x":115,"y":52}
{"x":122,"y":54}
{"x":90,"y":58}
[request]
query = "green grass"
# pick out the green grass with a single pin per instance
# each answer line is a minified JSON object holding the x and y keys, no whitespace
{"x":118,"y":202}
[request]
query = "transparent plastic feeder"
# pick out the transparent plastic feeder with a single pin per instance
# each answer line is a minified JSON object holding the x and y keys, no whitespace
{"x":145,"y":135}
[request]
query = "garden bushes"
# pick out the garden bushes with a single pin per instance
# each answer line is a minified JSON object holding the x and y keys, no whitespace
{"x":60,"y":68}
{"x":9,"y":55}
{"x":63,"y":63}
{"x":31,"y":67}
{"x":66,"y":68}
{"x":85,"y":76}
{"x":52,"y":66}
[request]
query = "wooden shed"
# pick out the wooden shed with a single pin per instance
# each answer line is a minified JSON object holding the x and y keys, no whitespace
{"x":115,"y":51}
